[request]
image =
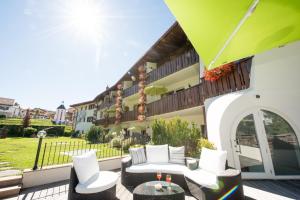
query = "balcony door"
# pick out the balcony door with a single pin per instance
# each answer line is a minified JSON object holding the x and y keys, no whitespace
{"x":265,"y":146}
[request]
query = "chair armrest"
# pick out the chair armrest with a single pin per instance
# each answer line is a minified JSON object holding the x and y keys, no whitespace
{"x":190,"y":158}
{"x":126,"y":162}
{"x":230,"y":177}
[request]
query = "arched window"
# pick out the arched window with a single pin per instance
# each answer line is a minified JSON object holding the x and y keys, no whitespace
{"x":283,"y":144}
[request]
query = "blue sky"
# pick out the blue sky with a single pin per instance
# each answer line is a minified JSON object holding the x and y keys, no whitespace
{"x":44,"y":61}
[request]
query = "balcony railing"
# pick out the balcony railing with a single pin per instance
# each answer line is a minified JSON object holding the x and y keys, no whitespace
{"x":129,"y":115}
{"x":131,"y":90}
{"x":194,"y":96}
{"x":188,"y":98}
{"x":105,"y":121}
{"x":106,"y":104}
{"x":182,"y":61}
{"x":239,"y":79}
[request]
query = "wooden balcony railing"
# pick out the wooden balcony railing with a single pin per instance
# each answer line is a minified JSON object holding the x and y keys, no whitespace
{"x":194,"y":96}
{"x":188,"y":98}
{"x":129,"y":116}
{"x":105,"y":121}
{"x":184,"y":60}
{"x":131,"y":90}
{"x":239,"y":79}
{"x":106,"y":104}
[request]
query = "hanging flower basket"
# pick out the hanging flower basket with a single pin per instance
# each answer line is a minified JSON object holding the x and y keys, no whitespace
{"x":217,"y":73}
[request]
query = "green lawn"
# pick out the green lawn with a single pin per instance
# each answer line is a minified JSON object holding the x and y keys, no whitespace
{"x":21,"y":152}
{"x":33,"y":122}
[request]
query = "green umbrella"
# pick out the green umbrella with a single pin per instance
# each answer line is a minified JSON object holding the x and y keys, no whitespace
{"x":223,"y":31}
{"x":154,"y":90}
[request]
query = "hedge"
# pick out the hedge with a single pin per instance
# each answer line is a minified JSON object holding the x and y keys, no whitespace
{"x":17,"y":130}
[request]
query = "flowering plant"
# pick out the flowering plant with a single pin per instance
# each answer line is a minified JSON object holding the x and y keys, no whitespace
{"x":217,"y":73}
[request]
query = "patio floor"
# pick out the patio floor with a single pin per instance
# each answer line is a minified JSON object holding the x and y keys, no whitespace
{"x":256,"y":189}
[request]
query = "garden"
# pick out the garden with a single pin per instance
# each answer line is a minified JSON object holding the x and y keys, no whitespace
{"x":20,"y":152}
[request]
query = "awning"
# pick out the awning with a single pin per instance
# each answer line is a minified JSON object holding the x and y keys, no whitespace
{"x":223,"y":31}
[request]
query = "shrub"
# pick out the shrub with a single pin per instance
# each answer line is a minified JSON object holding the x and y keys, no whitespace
{"x":116,"y":142}
{"x":127,"y":143}
{"x":2,"y":116}
{"x":108,"y":137}
{"x":75,"y":134}
{"x":29,"y":131}
{"x":94,"y":135}
{"x":176,"y":132}
{"x":205,"y":143}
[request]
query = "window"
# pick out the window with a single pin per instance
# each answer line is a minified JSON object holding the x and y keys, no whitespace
{"x":283,"y":144}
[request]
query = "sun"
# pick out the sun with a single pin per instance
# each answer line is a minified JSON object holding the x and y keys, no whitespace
{"x":84,"y":18}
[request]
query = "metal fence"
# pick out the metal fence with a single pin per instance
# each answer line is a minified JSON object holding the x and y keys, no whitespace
{"x":57,"y":153}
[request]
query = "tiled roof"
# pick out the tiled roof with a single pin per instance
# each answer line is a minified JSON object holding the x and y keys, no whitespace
{"x":7,"y":101}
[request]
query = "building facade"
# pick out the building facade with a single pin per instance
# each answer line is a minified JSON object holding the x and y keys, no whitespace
{"x":84,"y":116}
{"x":9,"y":108}
{"x":252,"y":112}
{"x":60,"y":115}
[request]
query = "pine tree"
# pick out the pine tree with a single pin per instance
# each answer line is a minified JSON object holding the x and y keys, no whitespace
{"x":26,"y":119}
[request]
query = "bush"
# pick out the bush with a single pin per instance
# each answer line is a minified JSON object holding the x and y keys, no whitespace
{"x":108,"y":137}
{"x":205,"y":143}
{"x":75,"y":134}
{"x":2,"y":116}
{"x":54,"y":131}
{"x":176,"y":132}
{"x":95,"y":134}
{"x":127,"y":143}
{"x":29,"y":131}
{"x":116,"y":142}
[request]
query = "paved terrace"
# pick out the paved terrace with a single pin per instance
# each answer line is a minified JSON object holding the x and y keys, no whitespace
{"x":264,"y":189}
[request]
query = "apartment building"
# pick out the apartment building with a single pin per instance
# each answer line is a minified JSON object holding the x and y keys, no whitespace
{"x":83,"y":115}
{"x":171,"y":63}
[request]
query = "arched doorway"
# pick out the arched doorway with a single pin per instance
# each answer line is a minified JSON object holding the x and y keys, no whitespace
{"x":266,"y":146}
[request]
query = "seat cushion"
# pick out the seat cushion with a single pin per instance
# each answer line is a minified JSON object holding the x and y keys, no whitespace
{"x":155,"y":167}
{"x":137,"y":155}
{"x":203,"y":178}
{"x":157,"y":153}
{"x":101,"y":181}
{"x":213,"y":160}
{"x":85,"y":166}
{"x":177,"y":155}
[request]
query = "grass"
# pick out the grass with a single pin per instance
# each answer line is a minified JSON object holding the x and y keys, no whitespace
{"x":21,"y":152}
{"x":18,"y":121}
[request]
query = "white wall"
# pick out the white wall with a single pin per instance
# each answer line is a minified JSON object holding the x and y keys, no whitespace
{"x":52,"y":174}
{"x":275,"y":77}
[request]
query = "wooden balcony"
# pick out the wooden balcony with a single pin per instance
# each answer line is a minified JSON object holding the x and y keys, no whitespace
{"x":182,"y":61}
{"x":105,"y":121}
{"x":194,"y":96}
{"x":131,"y":90}
{"x":106,"y":104}
{"x":129,"y":116}
{"x":188,"y":98}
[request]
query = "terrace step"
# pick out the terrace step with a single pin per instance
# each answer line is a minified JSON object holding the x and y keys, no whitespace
{"x":9,"y":191}
{"x":10,"y":181}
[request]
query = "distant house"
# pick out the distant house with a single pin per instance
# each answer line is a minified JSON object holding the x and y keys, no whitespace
{"x":84,"y":115}
{"x":9,"y":108}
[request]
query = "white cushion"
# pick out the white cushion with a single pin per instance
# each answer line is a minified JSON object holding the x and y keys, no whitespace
{"x":101,"y":181}
{"x":137,"y":155}
{"x":85,"y":166}
{"x":157,"y":153}
{"x":177,"y":155}
{"x":203,"y":178}
{"x":213,"y":160}
{"x":155,"y":167}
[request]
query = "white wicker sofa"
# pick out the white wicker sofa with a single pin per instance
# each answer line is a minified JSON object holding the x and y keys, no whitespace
{"x":209,"y":181}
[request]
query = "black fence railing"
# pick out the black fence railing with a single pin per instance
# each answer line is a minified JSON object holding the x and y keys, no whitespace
{"x":58,"y":153}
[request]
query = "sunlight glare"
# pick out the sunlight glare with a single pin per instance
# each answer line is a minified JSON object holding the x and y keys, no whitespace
{"x":85,"y":18}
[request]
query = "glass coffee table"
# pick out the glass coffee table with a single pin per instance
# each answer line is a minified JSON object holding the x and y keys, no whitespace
{"x":147,"y":191}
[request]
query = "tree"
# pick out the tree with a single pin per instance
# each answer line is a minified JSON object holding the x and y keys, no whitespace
{"x":26,"y":119}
